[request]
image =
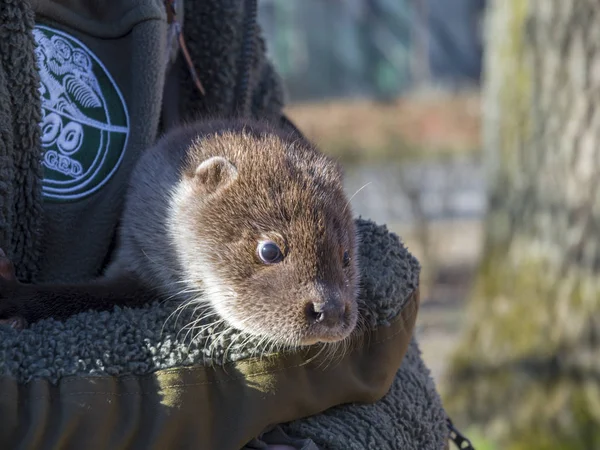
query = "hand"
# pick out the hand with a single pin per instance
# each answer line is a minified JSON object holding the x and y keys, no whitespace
{"x":11,"y":313}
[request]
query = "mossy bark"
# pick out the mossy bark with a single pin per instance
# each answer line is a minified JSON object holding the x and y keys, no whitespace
{"x":528,"y":369}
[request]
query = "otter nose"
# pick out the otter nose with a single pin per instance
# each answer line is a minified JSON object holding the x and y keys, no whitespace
{"x":329,"y":314}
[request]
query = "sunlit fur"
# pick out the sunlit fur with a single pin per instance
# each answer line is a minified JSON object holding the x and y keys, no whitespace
{"x":194,"y":232}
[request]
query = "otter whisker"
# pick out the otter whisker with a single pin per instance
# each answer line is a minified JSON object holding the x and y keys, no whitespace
{"x":354,"y":195}
{"x":198,"y":330}
{"x":314,"y":357}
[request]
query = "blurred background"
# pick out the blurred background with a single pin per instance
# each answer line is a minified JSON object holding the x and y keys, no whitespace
{"x":468,"y":174}
{"x":391,"y":88}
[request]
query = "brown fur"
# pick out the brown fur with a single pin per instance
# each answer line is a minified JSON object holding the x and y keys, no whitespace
{"x":190,"y":231}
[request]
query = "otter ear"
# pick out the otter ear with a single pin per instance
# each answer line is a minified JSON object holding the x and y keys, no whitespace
{"x":215,"y":173}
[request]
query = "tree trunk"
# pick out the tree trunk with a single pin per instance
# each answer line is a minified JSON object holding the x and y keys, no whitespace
{"x":528,"y":369}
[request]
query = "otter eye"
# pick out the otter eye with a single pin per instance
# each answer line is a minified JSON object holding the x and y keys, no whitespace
{"x":269,"y":252}
{"x":346,"y":259}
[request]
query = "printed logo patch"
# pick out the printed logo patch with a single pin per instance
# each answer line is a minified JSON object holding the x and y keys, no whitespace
{"x":85,"y":124}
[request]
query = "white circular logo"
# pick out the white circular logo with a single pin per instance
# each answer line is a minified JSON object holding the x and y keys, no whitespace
{"x":85,"y":124}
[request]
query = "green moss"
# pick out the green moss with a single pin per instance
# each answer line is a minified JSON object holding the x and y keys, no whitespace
{"x":527,"y":371}
{"x":529,"y":414}
{"x":516,"y":373}
{"x":515,"y":82}
{"x":479,"y":440}
{"x":564,"y":419}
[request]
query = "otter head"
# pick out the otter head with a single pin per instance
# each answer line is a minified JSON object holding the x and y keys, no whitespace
{"x":264,"y":229}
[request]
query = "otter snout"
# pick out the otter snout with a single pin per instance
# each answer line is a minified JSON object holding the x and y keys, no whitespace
{"x":330,"y":316}
{"x":328,"y":313}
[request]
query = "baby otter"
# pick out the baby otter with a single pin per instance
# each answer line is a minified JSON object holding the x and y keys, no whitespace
{"x":234,"y":214}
